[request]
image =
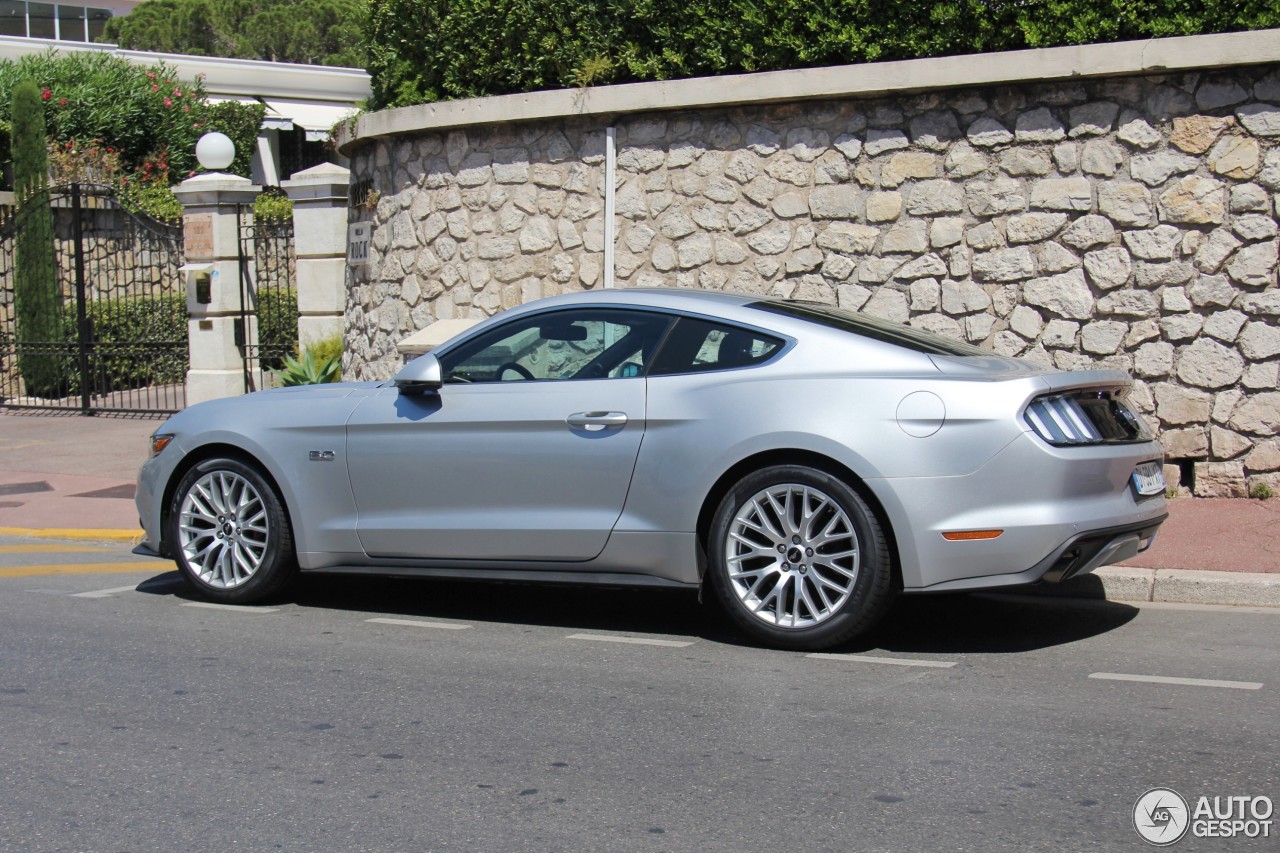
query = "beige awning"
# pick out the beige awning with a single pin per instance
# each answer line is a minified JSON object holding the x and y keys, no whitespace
{"x":315,"y":117}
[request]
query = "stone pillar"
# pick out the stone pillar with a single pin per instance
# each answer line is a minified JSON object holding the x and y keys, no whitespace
{"x":211,"y":240}
{"x":319,"y":197}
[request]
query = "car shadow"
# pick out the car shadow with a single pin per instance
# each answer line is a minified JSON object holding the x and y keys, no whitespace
{"x":979,"y":623}
{"x":990,"y":623}
{"x":941,"y":624}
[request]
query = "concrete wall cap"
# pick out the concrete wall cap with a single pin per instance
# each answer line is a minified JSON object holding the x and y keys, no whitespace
{"x":432,"y":336}
{"x":330,"y":173}
{"x":326,"y":182}
{"x":216,"y":188}
{"x":1222,"y":50}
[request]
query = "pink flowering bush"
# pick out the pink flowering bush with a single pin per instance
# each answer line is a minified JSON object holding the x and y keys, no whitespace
{"x":149,"y":118}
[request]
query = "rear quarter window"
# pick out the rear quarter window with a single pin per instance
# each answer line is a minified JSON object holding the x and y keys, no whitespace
{"x":696,"y":346}
{"x":870,"y":327}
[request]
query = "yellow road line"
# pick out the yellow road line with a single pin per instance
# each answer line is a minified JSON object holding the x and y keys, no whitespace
{"x":114,"y":534}
{"x":84,"y":569}
{"x":50,"y":549}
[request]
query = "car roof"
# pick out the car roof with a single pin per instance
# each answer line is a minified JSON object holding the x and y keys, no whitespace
{"x":683,"y":299}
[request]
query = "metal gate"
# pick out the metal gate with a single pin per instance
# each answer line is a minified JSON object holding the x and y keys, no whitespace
{"x":93,"y":314}
{"x":268,"y":328}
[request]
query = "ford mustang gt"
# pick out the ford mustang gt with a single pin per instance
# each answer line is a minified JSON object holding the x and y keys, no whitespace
{"x":803,"y":463}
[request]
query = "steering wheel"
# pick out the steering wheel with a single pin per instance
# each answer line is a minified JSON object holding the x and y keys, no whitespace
{"x":511,"y":365}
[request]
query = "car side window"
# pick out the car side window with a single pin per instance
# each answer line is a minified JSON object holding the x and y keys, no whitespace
{"x":572,"y":344}
{"x":696,"y":345}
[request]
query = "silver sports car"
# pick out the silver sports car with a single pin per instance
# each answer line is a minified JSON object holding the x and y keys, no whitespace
{"x":804,"y":462}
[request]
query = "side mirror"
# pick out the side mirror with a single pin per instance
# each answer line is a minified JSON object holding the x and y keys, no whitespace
{"x":419,"y":376}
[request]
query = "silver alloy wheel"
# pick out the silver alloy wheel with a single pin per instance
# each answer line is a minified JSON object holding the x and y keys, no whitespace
{"x":792,"y":555}
{"x":224,"y":529}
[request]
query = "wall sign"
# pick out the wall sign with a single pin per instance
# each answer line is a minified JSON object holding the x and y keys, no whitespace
{"x":197,"y":235}
{"x":358,"y":236}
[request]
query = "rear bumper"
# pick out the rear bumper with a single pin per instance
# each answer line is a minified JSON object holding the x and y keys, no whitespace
{"x":1078,"y":555}
{"x":1060,"y":512}
{"x":1088,"y":551}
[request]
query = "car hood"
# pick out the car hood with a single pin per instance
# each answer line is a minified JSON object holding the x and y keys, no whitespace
{"x":273,"y":406}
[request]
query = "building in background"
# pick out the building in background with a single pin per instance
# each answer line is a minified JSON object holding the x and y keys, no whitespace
{"x":303,"y":101}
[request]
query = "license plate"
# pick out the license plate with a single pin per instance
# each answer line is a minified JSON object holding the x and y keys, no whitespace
{"x":1148,"y":478}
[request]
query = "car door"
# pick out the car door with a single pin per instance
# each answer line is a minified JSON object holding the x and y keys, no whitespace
{"x":525,"y":453}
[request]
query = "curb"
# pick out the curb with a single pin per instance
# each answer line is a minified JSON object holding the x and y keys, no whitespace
{"x":91,"y":533}
{"x":1178,"y":586}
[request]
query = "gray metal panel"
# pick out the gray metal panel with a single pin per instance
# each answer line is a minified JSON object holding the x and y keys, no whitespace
{"x":493,"y":471}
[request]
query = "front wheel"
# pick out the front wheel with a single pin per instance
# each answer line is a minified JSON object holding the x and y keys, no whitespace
{"x":798,"y":559}
{"x":230,"y":533}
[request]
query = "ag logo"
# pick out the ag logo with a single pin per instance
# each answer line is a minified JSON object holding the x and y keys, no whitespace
{"x":1161,"y":816}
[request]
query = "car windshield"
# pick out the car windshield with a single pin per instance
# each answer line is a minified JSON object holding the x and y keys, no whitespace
{"x":871,"y":327}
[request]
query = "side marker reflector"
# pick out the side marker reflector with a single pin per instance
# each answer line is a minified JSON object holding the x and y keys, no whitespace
{"x":970,"y":535}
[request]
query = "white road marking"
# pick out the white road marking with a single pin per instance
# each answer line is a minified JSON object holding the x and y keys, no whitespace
{"x":447,"y":626}
{"x":234,"y":608}
{"x":933,"y":664}
{"x":638,"y":641}
{"x":1185,"y":682}
{"x":104,"y":593}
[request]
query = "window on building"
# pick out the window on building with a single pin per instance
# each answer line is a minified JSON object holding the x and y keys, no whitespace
{"x":42,"y":23}
{"x":61,"y":21}
{"x":97,"y":20}
{"x":70,"y":22}
{"x":13,"y":18}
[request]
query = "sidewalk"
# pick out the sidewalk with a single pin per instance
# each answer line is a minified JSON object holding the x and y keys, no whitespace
{"x":72,"y":476}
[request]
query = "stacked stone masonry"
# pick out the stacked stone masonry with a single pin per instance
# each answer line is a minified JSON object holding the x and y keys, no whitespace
{"x":1128,"y":222}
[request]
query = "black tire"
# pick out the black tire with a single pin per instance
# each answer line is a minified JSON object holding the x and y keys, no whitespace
{"x":771,"y":565}
{"x":230,"y":533}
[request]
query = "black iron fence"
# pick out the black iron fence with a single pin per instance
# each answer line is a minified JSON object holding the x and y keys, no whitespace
{"x":92,"y":306}
{"x":268,"y":297}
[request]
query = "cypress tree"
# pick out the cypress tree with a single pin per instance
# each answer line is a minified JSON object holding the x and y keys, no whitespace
{"x":37,"y":298}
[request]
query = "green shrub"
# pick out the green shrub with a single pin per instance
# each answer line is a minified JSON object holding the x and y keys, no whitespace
{"x":427,"y":50}
{"x":273,"y":204}
{"x":123,"y":334}
{"x":37,"y":298}
{"x":317,"y":366}
{"x":328,"y":348}
{"x":149,"y":115}
{"x":1260,"y":491}
{"x":155,"y":200}
{"x":277,"y":326}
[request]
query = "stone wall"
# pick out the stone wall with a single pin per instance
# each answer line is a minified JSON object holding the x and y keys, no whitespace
{"x":468,"y":223}
{"x":1126,"y":222}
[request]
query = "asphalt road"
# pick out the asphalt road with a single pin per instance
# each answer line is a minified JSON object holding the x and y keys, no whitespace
{"x":368,"y":714}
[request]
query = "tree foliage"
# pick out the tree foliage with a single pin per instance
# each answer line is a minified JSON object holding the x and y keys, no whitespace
{"x":316,"y":32}
{"x":36,"y":296}
{"x":429,"y":50}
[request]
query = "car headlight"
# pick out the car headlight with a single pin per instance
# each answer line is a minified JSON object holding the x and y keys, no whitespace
{"x":159,"y":442}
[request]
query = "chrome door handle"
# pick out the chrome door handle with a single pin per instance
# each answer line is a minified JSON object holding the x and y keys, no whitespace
{"x":596,"y":421}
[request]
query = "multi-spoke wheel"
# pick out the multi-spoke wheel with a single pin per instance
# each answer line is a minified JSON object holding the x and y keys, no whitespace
{"x":230,"y":536}
{"x":798,"y":558}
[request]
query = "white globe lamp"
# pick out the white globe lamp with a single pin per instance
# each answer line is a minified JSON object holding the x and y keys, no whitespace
{"x":215,"y":151}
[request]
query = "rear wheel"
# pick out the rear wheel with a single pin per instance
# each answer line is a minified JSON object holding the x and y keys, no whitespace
{"x":230,"y":534}
{"x":798,"y":559}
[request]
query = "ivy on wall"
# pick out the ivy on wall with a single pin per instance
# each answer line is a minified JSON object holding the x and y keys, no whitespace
{"x":431,"y":50}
